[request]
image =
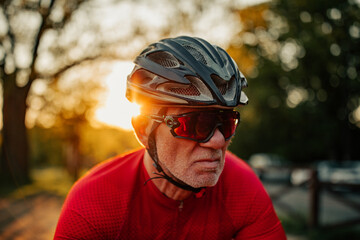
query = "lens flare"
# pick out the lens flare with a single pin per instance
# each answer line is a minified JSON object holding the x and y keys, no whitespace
{"x":116,"y":110}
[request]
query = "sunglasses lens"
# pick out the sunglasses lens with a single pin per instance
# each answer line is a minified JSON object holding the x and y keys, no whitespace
{"x":229,"y":122}
{"x":194,"y":126}
{"x":199,"y":126}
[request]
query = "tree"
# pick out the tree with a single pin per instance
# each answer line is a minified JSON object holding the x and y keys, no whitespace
{"x":26,"y":23}
{"x":67,"y":106}
{"x":304,"y":88}
{"x":41,"y":39}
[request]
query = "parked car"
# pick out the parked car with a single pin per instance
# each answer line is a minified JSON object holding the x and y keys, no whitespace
{"x":339,"y":172}
{"x":270,"y":167}
{"x":347,"y":172}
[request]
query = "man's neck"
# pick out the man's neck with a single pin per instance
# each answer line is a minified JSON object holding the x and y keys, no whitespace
{"x":167,"y":188}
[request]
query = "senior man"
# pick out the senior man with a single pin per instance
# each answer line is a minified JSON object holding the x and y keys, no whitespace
{"x":183,"y":184}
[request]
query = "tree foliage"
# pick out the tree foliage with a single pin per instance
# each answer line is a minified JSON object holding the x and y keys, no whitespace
{"x":40,"y":40}
{"x":305,"y":86}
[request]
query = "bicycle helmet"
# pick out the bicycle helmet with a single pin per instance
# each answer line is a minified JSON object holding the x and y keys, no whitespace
{"x":185,"y":72}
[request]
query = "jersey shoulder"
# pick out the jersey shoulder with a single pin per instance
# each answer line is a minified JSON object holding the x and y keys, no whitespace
{"x":116,"y":171}
{"x":97,"y":204}
{"x":108,"y":184}
{"x":237,"y":168}
{"x":238,"y":176}
{"x":242,"y":192}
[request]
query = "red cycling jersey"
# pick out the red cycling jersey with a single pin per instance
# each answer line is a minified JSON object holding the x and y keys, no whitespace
{"x":112,"y":202}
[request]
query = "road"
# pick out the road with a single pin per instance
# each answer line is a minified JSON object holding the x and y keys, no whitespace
{"x":33,"y":217}
{"x":297,"y":200}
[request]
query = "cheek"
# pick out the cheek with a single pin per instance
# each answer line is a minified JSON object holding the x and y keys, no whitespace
{"x":166,"y":148}
{"x":171,"y":150}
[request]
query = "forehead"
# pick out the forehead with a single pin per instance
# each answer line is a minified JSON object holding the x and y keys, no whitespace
{"x":181,"y":110}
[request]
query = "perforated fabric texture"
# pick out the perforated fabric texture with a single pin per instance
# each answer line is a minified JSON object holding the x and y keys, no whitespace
{"x":112,"y":202}
{"x":188,"y":91}
{"x":196,"y":90}
{"x":223,"y":88}
{"x":165,"y":59}
{"x":196,"y":53}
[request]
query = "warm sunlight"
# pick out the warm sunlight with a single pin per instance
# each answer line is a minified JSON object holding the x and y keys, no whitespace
{"x":116,"y":110}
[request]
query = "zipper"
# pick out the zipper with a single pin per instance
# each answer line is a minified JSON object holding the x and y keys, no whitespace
{"x":176,"y":229}
{"x":181,"y":206}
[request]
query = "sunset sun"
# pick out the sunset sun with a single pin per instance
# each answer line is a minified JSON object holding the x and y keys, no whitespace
{"x":115,"y":109}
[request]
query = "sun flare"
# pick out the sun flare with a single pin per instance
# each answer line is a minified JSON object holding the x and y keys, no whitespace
{"x":116,"y":110}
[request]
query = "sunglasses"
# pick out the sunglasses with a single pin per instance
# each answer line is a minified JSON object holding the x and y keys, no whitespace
{"x":201,"y":126}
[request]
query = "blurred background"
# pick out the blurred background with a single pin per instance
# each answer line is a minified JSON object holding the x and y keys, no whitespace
{"x":63,"y":68}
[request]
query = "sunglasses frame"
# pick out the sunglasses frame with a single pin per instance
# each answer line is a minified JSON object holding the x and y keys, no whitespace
{"x":172,"y":122}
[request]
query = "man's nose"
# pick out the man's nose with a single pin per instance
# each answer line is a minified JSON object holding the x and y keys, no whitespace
{"x":217,"y":141}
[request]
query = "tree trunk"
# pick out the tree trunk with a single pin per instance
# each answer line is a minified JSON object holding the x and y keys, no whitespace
{"x":14,"y":166}
{"x":72,"y":150}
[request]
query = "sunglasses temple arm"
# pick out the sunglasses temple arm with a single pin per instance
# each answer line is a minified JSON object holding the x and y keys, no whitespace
{"x":156,"y":118}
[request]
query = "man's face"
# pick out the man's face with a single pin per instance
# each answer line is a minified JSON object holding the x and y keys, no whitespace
{"x":197,"y":164}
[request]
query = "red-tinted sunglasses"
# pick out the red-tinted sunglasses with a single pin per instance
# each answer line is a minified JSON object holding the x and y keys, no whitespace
{"x":201,"y":126}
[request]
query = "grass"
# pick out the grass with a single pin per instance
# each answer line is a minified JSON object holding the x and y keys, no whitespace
{"x":350,"y":232}
{"x":294,"y":225}
{"x":51,"y":180}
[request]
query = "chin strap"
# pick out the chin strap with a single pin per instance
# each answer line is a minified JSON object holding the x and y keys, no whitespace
{"x":154,"y":156}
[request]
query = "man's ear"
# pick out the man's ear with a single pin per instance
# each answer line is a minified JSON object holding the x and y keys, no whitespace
{"x":141,"y":126}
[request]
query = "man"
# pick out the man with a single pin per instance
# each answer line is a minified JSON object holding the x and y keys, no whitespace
{"x":184,"y":184}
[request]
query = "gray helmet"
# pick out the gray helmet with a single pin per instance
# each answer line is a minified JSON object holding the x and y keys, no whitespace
{"x":186,"y":71}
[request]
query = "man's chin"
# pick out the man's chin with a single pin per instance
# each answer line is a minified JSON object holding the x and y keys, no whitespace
{"x":205,"y":181}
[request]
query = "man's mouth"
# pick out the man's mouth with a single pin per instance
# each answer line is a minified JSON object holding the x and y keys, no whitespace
{"x":208,"y":163}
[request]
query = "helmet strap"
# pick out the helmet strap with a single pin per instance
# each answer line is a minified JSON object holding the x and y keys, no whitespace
{"x":152,"y":150}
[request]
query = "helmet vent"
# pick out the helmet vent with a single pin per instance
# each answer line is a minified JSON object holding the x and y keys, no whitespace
{"x":196,"y":54}
{"x":223,"y":88}
{"x":191,"y":90}
{"x":221,"y":84}
{"x":164,"y":59}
